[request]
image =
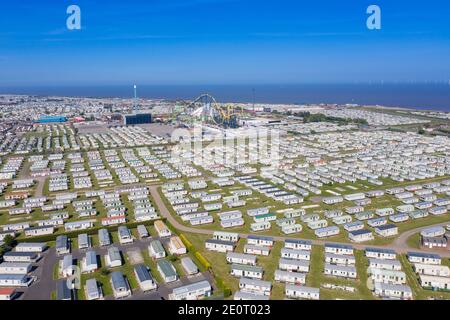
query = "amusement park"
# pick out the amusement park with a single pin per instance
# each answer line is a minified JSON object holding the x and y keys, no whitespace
{"x":206,"y":109}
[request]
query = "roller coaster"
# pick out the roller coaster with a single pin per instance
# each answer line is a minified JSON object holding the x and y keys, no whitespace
{"x":205,"y":109}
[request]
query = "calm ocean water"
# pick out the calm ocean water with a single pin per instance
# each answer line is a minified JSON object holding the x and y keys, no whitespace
{"x":417,"y":96}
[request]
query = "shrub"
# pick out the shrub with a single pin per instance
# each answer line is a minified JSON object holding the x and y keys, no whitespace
{"x":104,"y":271}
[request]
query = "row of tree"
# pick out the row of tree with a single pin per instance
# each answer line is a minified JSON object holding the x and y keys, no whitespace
{"x":320,"y":117}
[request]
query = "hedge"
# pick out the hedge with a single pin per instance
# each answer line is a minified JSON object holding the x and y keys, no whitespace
{"x":202,"y":260}
{"x":187,"y":243}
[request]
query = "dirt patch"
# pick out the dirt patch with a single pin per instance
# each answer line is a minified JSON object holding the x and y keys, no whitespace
{"x":316,"y":199}
{"x":135,"y":256}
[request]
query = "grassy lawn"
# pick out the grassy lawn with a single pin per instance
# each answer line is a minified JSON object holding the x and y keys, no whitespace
{"x":414,"y":241}
{"x":270,"y":263}
{"x":218,"y":262}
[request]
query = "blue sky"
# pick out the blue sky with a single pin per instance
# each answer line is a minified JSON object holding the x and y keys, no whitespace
{"x":222,"y":42}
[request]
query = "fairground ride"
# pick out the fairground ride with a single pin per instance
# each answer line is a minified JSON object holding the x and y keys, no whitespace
{"x":206,"y":109}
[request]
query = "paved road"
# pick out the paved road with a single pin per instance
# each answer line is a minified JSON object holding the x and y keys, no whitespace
{"x":166,"y":214}
{"x":40,"y":186}
{"x":400,"y":242}
{"x":399,"y":245}
{"x":42,"y":288}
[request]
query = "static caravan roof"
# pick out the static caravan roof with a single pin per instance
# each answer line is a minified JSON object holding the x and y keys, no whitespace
{"x":386,"y":227}
{"x":380,"y":250}
{"x":255,"y":282}
{"x":32,"y":255}
{"x":103,"y":236}
{"x":166,"y":268}
{"x":91,"y":257}
{"x":123,"y":231}
{"x":39,"y":245}
{"x":359,"y":232}
{"x":114,"y":254}
{"x":142,"y":230}
{"x":246,"y":267}
{"x":157,"y":246}
{"x":339,"y":245}
{"x":62,"y":291}
{"x":424,"y":255}
{"x":91,"y":287}
{"x":189,"y":265}
{"x":83,"y":239}
{"x":118,"y":281}
{"x":61,"y":241}
{"x":298,"y":241}
{"x":243,"y":256}
{"x":302,"y":289}
{"x":242,"y":295}
{"x":254,"y":237}
{"x":222,"y":242}
{"x":192,"y":287}
{"x":142,"y":273}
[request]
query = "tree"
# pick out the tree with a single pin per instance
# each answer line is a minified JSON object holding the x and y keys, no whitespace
{"x":9,"y":241}
{"x":104,"y":271}
{"x":421,"y":131}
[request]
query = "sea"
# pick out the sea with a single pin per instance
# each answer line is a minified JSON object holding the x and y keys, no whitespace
{"x":415,"y":96}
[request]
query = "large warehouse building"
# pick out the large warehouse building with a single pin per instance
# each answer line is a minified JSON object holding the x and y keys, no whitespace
{"x":50,"y":119}
{"x":138,"y":118}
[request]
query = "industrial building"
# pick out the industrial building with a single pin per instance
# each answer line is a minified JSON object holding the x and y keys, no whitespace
{"x":138,"y":118}
{"x":51,"y":119}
